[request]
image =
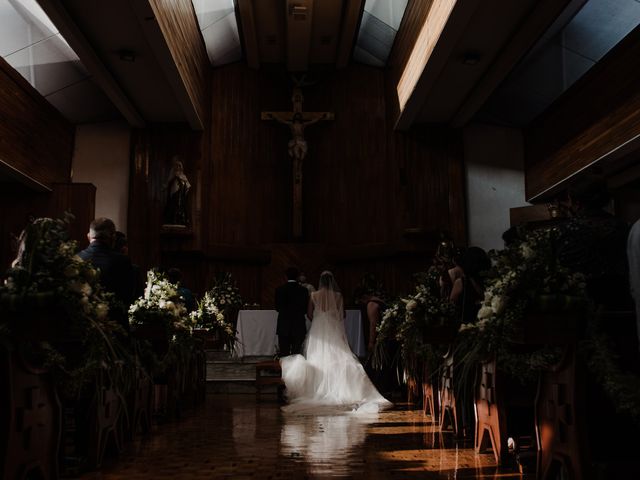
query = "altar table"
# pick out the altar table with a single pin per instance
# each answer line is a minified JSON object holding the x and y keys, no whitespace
{"x":256,"y":333}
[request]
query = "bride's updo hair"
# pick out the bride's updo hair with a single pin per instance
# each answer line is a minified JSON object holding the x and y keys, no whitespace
{"x":328,"y":281}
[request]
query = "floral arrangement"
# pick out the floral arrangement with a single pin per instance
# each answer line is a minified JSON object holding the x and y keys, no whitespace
{"x":160,"y":302}
{"x":210,"y":317}
{"x":411,"y":321}
{"x":47,"y":268}
{"x":524,"y":277}
{"x":48,"y":277}
{"x":225,"y":293}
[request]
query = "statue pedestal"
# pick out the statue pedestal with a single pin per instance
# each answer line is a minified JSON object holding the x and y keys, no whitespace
{"x":175,"y":230}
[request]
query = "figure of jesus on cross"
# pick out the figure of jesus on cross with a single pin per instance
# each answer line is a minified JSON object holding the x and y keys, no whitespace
{"x":297,"y":120}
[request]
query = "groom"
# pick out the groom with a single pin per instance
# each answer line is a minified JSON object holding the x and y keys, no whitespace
{"x":291,"y":303}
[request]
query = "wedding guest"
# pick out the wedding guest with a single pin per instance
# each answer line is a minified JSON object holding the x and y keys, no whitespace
{"x":115,"y":269}
{"x":175,"y":276}
{"x":633,"y":256}
{"x":121,"y":245}
{"x":467,"y":288}
{"x":383,"y":377}
{"x":302,"y":280}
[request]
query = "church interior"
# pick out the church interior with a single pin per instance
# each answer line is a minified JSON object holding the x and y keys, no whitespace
{"x":466,"y":170}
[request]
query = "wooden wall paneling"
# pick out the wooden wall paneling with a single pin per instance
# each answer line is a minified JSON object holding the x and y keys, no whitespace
{"x":34,"y":138}
{"x":79,"y":199}
{"x":250,"y":170}
{"x":434,"y":190}
{"x":179,"y":26}
{"x":349,"y":179}
{"x":598,"y":114}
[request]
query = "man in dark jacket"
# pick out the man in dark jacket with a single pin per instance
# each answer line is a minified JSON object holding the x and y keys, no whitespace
{"x":116,"y":274}
{"x":292,"y":300}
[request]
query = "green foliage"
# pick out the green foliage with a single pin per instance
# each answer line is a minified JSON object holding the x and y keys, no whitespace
{"x":225,"y":293}
{"x":50,"y":289}
{"x":622,"y":387}
{"x":411,"y":321}
{"x":209,"y":316}
{"x":160,"y":303}
{"x":525,"y":277}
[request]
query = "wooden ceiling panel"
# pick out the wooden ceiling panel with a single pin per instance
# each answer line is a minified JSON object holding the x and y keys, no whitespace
{"x":271,"y":29}
{"x":473,"y":55}
{"x":325,"y":33}
{"x":299,"y":24}
{"x":300,"y":33}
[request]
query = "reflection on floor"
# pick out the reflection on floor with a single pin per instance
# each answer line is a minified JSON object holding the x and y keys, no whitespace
{"x":234,"y":437}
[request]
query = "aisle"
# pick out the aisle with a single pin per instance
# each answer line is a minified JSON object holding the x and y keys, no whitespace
{"x":233,"y":437}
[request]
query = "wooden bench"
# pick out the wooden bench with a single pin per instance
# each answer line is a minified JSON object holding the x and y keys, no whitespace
{"x":268,"y":373}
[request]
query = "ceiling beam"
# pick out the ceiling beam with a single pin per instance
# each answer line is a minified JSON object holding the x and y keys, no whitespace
{"x":541,"y":16}
{"x":350,"y":20}
{"x":442,"y":28}
{"x":249,"y":33}
{"x":174,"y":36}
{"x":79,"y":43}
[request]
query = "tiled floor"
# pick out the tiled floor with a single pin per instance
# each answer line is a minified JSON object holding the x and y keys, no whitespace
{"x":232,"y":436}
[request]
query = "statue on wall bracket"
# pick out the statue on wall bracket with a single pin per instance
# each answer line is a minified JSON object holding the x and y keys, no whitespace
{"x":176,"y":211}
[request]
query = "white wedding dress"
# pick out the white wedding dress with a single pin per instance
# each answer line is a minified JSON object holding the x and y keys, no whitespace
{"x":329,"y":377}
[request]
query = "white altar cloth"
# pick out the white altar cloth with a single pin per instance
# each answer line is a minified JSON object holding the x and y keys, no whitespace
{"x":256,"y":333}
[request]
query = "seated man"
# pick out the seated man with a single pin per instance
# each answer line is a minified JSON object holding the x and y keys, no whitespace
{"x":116,"y":275}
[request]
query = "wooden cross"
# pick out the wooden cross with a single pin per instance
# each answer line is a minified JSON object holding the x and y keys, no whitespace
{"x":297,"y":120}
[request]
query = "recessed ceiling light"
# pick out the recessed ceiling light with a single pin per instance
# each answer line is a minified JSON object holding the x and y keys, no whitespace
{"x":299,"y":12}
{"x":127,"y":55}
{"x":471,"y":58}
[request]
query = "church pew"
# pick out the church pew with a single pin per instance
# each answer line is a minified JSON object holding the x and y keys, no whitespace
{"x":29,"y":420}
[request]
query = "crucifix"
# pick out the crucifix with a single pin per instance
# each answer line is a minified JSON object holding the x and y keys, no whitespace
{"x":297,"y":120}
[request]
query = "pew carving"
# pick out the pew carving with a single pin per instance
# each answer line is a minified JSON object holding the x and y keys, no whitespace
{"x":30,"y":420}
{"x":560,"y":411}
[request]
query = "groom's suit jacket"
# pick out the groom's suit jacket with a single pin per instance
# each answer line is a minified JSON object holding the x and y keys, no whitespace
{"x":291,"y":303}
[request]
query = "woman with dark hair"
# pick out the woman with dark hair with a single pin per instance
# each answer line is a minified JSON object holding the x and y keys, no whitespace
{"x":467,"y":289}
{"x":328,"y":376}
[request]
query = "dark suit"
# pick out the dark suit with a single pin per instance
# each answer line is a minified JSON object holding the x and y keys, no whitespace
{"x":292,"y":300}
{"x":116,"y":276}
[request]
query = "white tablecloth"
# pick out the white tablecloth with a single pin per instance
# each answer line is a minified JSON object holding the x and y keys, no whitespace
{"x":256,"y":333}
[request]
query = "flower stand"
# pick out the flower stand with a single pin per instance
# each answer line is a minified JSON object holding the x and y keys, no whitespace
{"x":430,"y":402}
{"x":448,"y":401}
{"x":560,"y":421}
{"x":29,"y":419}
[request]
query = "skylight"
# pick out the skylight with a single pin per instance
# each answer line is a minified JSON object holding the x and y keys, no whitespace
{"x":561,"y":58}
{"x":380,"y":22}
{"x":219,"y":29}
{"x":32,"y":45}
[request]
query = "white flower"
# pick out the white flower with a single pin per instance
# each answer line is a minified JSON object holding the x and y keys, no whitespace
{"x":485,"y":312}
{"x":71,"y":271}
{"x":411,"y":305}
{"x":102,"y":309}
{"x":498,"y":303}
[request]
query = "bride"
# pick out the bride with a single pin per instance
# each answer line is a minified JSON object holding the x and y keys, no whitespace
{"x":329,"y":375}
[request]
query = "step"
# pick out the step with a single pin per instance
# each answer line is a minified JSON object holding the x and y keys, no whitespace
{"x":232,"y":386}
